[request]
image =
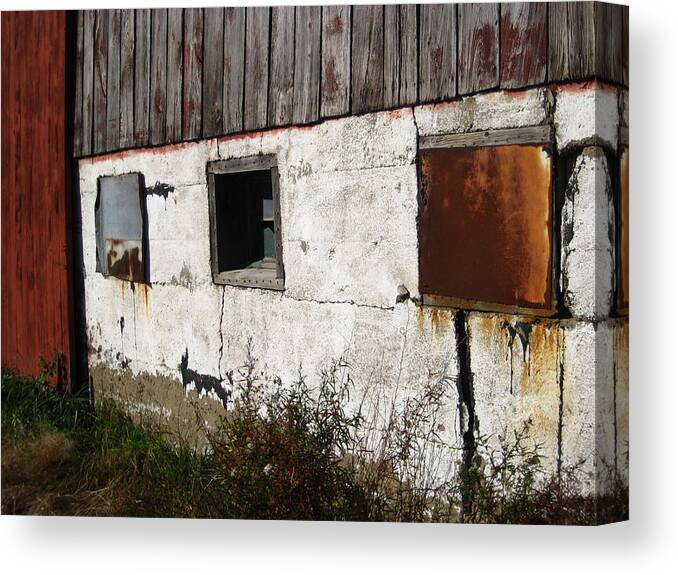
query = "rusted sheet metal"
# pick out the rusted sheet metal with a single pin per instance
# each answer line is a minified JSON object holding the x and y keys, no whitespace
{"x":120,"y":227}
{"x":123,"y":259}
{"x":623,"y":289}
{"x":485,"y":227}
{"x":37,"y":310}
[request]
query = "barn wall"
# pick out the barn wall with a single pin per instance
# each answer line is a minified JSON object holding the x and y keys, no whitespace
{"x":155,"y":76}
{"x":349,"y":205}
{"x":36,"y":166}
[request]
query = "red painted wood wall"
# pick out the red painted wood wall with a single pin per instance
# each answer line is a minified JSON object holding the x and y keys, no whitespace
{"x":36,"y":271}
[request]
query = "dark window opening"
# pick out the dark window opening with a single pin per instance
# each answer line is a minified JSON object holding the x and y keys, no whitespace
{"x":246,"y":244}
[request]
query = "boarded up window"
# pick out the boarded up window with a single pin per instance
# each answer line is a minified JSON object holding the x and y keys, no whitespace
{"x":120,"y":226}
{"x":245,"y":222}
{"x":486,"y":224}
{"x":623,"y":275}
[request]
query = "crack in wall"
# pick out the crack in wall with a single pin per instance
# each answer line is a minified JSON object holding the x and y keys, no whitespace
{"x":466,"y":405}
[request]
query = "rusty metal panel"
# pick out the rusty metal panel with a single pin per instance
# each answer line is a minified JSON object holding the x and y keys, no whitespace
{"x":623,"y":289}
{"x":120,"y":217}
{"x":486,"y":227}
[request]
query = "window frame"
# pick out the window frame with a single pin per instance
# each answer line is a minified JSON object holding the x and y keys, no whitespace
{"x":263,"y":278}
{"x":542,"y":135}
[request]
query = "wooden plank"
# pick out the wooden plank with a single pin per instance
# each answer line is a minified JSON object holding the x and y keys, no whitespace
{"x":234,"y":68}
{"x":256,"y":68}
{"x":113,"y":82}
{"x":193,"y":47}
{"x":571,"y":41}
{"x":142,"y":75}
{"x":524,"y":44}
{"x":367,"y":58}
{"x":503,"y":137}
{"x":89,"y":17}
{"x":127,"y":78}
{"x":100,"y":80}
{"x":213,"y":76}
{"x":558,"y":41}
{"x":281,"y":75}
{"x":400,"y":54}
{"x":335,"y":78}
{"x":307,"y":64}
{"x":175,"y":71}
{"x":581,"y":41}
{"x":478,"y":29}
{"x":158,"y":109}
{"x":77,"y":98}
{"x":437,"y":52}
{"x":625,"y":46}
{"x":608,"y":41}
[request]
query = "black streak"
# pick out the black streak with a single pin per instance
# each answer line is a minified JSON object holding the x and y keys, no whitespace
{"x":203,"y":383}
{"x":465,"y":388}
{"x":160,"y":189}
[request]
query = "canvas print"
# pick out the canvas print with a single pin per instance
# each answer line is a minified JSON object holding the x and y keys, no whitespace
{"x":333,"y":262}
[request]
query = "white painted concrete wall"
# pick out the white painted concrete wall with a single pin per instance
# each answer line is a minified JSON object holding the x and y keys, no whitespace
{"x":348,"y":192}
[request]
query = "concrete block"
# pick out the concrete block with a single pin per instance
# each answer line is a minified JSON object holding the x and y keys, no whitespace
{"x":587,"y":229}
{"x":492,"y":111}
{"x":586,"y":114}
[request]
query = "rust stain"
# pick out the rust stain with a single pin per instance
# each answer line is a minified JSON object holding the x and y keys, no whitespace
{"x":335,"y":26}
{"x":624,"y":231}
{"x":332,"y":81}
{"x":540,"y":377}
{"x":485,"y":231}
{"x":124,"y":260}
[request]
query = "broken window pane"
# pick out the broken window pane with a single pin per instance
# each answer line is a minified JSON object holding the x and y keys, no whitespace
{"x":119,"y":217}
{"x":485,"y":226}
{"x":246,"y":244}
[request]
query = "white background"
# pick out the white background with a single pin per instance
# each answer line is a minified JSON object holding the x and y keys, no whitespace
{"x":646,"y":544}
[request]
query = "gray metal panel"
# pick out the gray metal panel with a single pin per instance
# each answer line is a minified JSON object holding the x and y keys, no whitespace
{"x":119,"y":216}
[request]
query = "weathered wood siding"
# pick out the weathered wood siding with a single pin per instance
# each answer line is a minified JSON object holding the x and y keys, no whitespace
{"x":250,"y":68}
{"x":36,"y":159}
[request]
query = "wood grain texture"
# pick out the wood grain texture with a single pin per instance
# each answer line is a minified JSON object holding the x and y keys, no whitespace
{"x":400,"y":55}
{"x":213,"y":72}
{"x":37,"y":302}
{"x":478,"y":64}
{"x":77,"y":96}
{"x":571,"y":40}
{"x":524,"y":44}
{"x":142,"y":75}
{"x":89,"y":23}
{"x":100,"y":80}
{"x":158,"y":123}
{"x":335,"y":78}
{"x":113,"y":82}
{"x":307,"y":64}
{"x":608,"y":41}
{"x":192,"y":83}
{"x":281,"y":73}
{"x":234,"y":68}
{"x":175,"y":72}
{"x":625,"y":46}
{"x":437,"y":52}
{"x":367,"y":58}
{"x":256,"y":68}
{"x":126,"y":78}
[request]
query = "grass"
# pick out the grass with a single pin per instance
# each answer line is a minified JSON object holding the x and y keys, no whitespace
{"x":286,"y":452}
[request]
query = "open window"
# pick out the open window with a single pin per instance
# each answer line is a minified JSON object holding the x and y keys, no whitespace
{"x":246,"y":244}
{"x":486,"y":220}
{"x":120,"y":220}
